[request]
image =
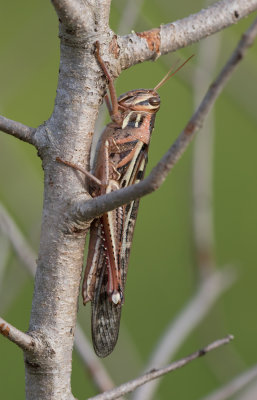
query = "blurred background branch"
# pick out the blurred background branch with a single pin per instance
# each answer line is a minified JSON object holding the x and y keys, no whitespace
{"x":156,"y":373}
{"x":181,"y":326}
{"x":235,"y":386}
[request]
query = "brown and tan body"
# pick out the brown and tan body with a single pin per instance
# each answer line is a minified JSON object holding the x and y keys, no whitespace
{"x":120,"y":161}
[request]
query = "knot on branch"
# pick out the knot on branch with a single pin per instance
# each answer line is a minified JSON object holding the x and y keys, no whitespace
{"x":74,"y":225}
{"x":39,"y":345}
{"x":42,"y":353}
{"x":153,"y":40}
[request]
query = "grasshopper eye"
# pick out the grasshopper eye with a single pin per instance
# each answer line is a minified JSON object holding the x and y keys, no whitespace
{"x":154,"y":101}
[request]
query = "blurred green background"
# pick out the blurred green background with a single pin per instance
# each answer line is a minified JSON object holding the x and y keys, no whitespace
{"x":163,"y":269}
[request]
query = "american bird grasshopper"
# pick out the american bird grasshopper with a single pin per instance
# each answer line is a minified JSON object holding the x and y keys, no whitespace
{"x":120,"y":160}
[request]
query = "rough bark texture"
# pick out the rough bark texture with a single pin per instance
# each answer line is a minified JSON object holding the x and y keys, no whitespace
{"x":67,"y":134}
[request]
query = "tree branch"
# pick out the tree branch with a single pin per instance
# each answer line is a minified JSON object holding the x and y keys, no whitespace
{"x":85,"y":210}
{"x":17,"y":129}
{"x":132,"y":385}
{"x":24,"y":341}
{"x":139,"y":47}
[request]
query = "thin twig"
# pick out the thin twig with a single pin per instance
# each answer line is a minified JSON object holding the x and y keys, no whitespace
{"x":176,"y":333}
{"x":132,"y":385}
{"x":28,"y":257}
{"x":22,"y":340}
{"x":139,"y":47}
{"x":82,"y":210}
{"x":142,"y":46}
{"x":16,"y":129}
{"x":234,"y":386}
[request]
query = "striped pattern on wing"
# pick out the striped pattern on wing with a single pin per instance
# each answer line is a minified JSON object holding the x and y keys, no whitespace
{"x":105,"y":314}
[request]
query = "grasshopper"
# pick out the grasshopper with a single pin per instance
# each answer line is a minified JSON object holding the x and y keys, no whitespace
{"x":120,"y":160}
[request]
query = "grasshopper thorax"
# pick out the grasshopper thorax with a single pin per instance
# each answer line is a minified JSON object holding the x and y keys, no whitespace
{"x":144,"y":100}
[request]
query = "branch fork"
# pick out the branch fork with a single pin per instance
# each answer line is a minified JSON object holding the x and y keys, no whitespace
{"x":23,"y":340}
{"x":93,"y":208}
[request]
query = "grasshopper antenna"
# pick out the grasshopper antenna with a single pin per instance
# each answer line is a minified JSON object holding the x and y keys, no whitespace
{"x":170,"y":74}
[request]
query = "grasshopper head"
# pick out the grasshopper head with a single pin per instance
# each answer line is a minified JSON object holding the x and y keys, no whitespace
{"x":144,"y":100}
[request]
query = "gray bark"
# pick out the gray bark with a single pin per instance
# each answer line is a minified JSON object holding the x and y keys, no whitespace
{"x":66,"y":134}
